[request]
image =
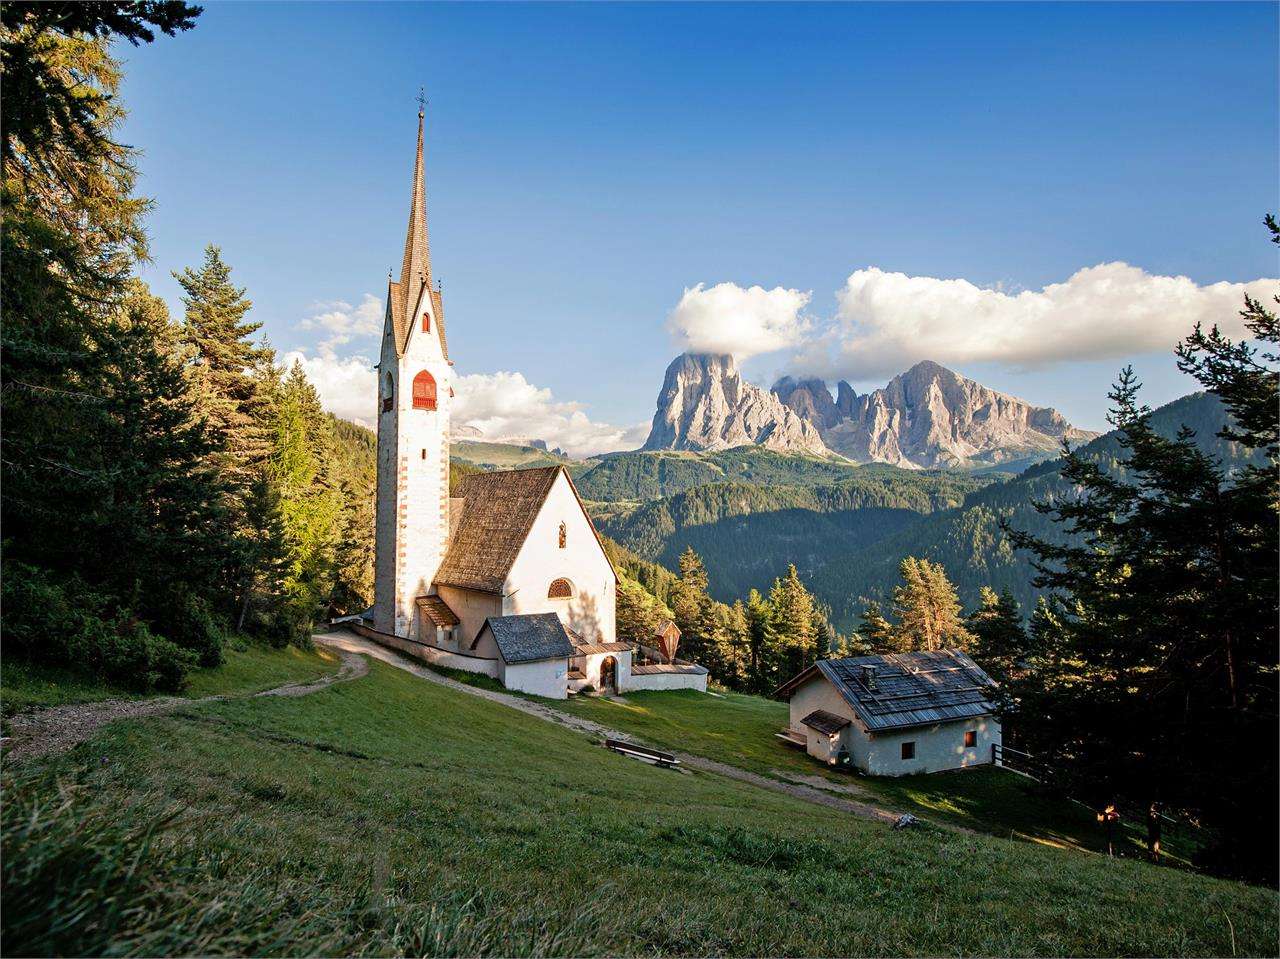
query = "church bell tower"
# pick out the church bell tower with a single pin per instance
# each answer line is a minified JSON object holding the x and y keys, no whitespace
{"x":414,"y":394}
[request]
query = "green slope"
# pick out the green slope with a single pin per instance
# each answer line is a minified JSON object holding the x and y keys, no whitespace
{"x":849,"y":536}
{"x":391,"y":816}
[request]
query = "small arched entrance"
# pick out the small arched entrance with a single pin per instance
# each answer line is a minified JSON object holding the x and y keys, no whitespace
{"x":608,"y":675}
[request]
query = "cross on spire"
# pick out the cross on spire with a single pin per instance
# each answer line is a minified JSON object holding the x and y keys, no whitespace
{"x":422,"y":100}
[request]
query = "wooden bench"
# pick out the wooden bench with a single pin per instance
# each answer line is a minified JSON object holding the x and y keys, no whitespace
{"x":655,"y":757}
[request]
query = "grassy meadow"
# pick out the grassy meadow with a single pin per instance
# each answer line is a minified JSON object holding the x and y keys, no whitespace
{"x":389,"y":815}
{"x":247,"y":668}
{"x":739,"y":730}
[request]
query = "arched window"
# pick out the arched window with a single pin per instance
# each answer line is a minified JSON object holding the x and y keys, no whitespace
{"x":388,"y":393}
{"x":424,"y":391}
{"x":564,"y":535}
{"x":426,"y":322}
{"x":560,"y":589}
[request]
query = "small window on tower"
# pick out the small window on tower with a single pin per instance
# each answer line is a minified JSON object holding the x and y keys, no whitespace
{"x":424,"y":454}
{"x":388,"y":393}
{"x":424,"y":391}
{"x":426,"y":322}
{"x":564,"y":535}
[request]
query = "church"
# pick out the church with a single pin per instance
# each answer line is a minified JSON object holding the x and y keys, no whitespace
{"x":507,"y":576}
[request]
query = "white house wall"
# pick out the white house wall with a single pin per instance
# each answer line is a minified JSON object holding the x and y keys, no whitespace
{"x":938,"y":747}
{"x":591,"y":610}
{"x":817,"y":693}
{"x":590,"y":665}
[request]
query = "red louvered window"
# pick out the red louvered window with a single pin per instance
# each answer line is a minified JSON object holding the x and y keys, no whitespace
{"x":560,"y":589}
{"x":424,"y":391}
{"x":426,"y":322}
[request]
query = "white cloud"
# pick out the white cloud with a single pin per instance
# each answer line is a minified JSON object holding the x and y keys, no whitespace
{"x":348,"y":386}
{"x":343,"y":322}
{"x":501,"y":406}
{"x":885,"y":322}
{"x":506,"y":406}
{"x":727,"y":318}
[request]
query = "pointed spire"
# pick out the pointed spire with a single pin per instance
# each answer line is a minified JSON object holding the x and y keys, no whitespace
{"x":415,"y":269}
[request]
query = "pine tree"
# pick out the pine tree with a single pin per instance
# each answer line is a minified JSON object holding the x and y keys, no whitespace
{"x":874,"y":630}
{"x":794,"y":611}
{"x":927,"y":609}
{"x":1157,"y":664}
{"x":1000,"y":644}
{"x":762,"y":641}
{"x":235,"y":381}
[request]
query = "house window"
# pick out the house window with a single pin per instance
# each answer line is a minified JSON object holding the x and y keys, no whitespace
{"x":970,"y":738}
{"x":424,"y":454}
{"x":909,"y":750}
{"x":564,"y":535}
{"x":560,"y":589}
{"x":424,"y":391}
{"x":426,"y":322}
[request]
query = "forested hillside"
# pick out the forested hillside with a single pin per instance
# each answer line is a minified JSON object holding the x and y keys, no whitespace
{"x":748,"y":534}
{"x":640,"y":475}
{"x":846,"y":528}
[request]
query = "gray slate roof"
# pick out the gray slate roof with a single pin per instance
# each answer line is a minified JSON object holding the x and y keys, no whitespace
{"x":910,"y":689}
{"x":530,"y":637}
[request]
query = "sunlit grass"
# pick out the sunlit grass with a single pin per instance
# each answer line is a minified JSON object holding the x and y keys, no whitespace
{"x":391,"y":816}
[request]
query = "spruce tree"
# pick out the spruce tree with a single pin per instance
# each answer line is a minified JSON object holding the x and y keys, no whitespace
{"x":1157,"y":663}
{"x":1000,"y":643}
{"x":874,"y":630}
{"x":927,"y":609}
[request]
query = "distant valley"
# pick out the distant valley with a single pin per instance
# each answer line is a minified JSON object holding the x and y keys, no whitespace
{"x":750,"y":510}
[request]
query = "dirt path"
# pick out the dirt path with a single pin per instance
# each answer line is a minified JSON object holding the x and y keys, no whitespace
{"x":58,"y":728}
{"x":349,"y":644}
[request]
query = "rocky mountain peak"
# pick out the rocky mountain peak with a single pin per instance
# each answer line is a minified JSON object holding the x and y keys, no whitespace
{"x":929,"y":416}
{"x":705,"y":404}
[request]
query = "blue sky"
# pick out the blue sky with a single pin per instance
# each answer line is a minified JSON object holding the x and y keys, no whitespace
{"x":589,"y":163}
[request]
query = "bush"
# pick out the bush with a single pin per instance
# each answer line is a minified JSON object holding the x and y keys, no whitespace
{"x":68,"y":624}
{"x":189,"y":622}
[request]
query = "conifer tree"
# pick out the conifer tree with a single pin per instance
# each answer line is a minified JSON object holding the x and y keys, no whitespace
{"x":794,"y":612}
{"x":927,"y":609}
{"x":1157,"y":663}
{"x":999,"y":638}
{"x":874,"y":630}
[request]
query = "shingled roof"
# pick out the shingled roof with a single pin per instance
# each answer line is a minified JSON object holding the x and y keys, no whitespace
{"x":438,"y":611}
{"x":498,"y":510}
{"x":529,"y":637}
{"x":905,"y":689}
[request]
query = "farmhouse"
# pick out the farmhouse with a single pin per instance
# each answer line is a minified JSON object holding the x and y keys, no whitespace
{"x":507,"y":577}
{"x":893,"y":715}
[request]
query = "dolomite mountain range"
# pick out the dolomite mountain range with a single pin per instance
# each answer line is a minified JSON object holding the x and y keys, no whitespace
{"x":928,"y":417}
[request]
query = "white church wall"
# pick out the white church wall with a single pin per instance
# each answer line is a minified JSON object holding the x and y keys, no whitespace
{"x":546,"y":677}
{"x":429,"y":654}
{"x":384,"y":578}
{"x":591,"y":610}
{"x":422,"y":468}
{"x":472,"y":607}
{"x":666,"y":681}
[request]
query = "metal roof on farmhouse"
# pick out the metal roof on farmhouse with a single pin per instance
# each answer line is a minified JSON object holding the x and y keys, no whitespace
{"x":825,"y":722}
{"x":905,"y":689}
{"x":529,"y":637}
{"x":498,"y":509}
